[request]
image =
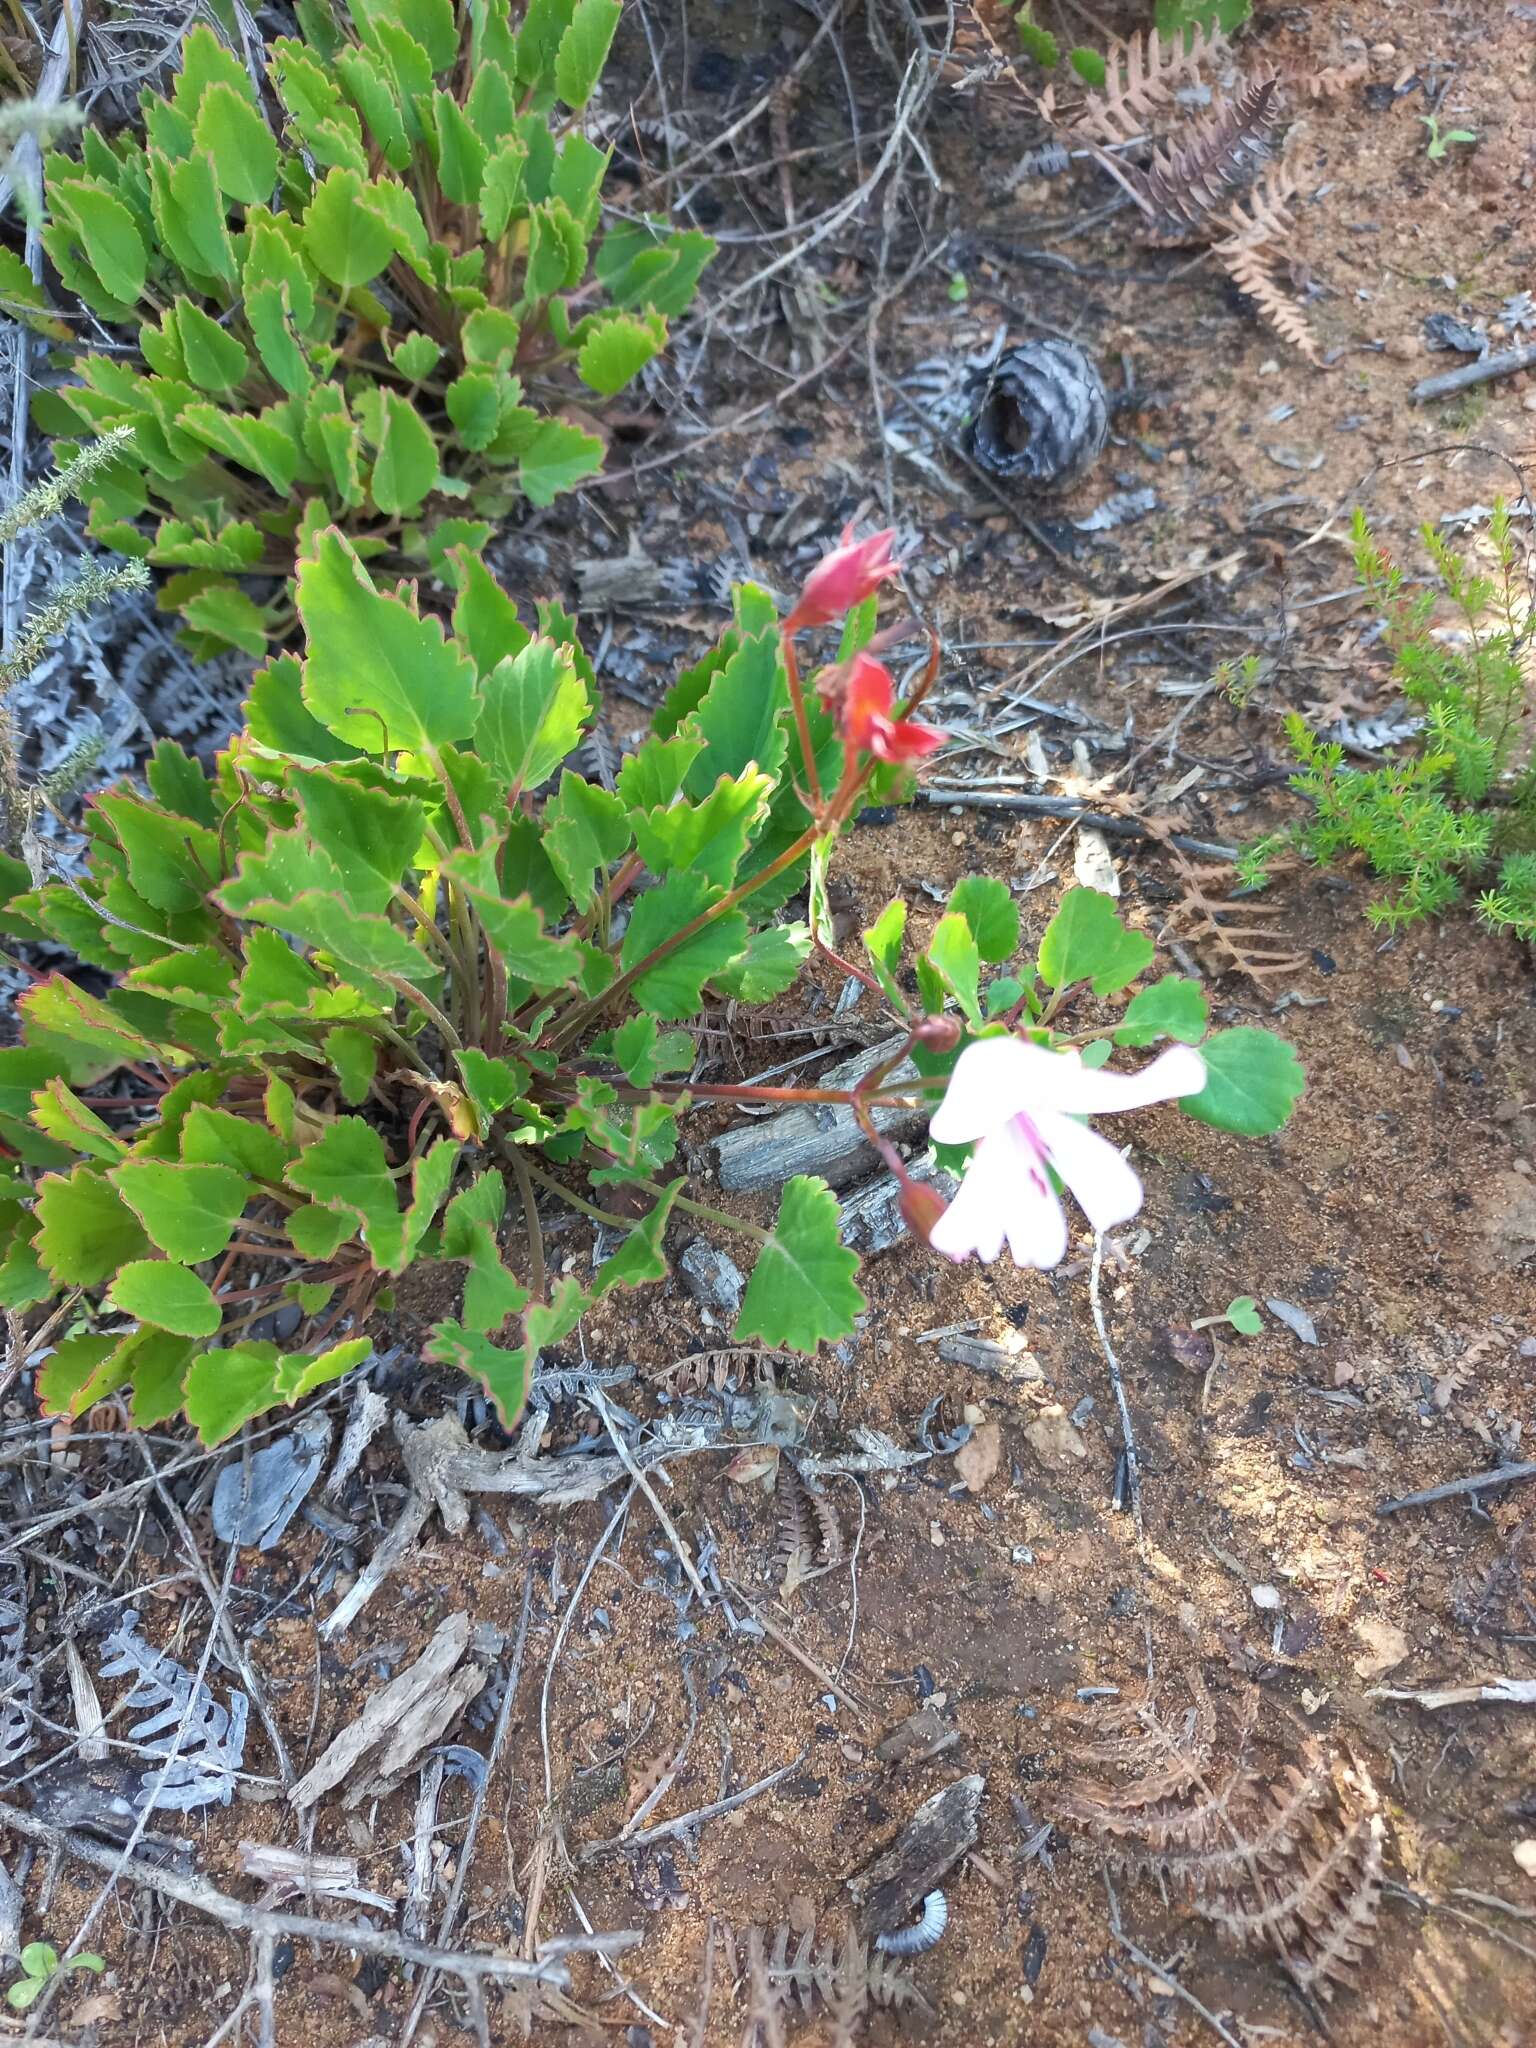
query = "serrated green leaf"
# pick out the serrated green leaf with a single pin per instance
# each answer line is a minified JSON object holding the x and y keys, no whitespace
{"x":21,"y":299}
{"x":244,"y":153}
{"x":217,"y":1137}
{"x":347,"y":1170}
{"x":347,"y":238}
{"x":225,"y":1389}
{"x":491,"y":1294}
{"x":370,"y":834}
{"x":1175,"y":1007}
{"x":504,"y":1374}
{"x":405,"y":453}
{"x":255,"y":441}
{"x":1085,"y":941}
{"x":710,"y":836}
{"x":989,"y":909}
{"x":618,"y":349}
{"x":189,"y":211}
{"x":489,"y":337}
{"x":640,"y":1259}
{"x":516,"y":929}
{"x":109,"y":236}
{"x":643,"y":1052}
{"x":461,"y":154}
{"x":59,"y":1009}
{"x":534,"y":709}
{"x":673,"y":987}
{"x":156,"y":1361}
{"x":23,"y":1280}
{"x":189,"y":1212}
{"x":583,"y":49}
{"x":770,"y":965}
{"x":740,"y":717}
{"x":216,"y":359}
{"x":555,"y":458}
{"x":373,"y":95}
{"x":78,"y":1373}
{"x":1253,"y":1082}
{"x":376,"y":674}
{"x":160,"y":1292}
{"x":802,"y":1292}
{"x":651,"y":777}
{"x":354,"y":1055}
{"x":491,"y":1082}
{"x":318,"y":1232}
{"x":227,"y":615}
{"x":643,"y":263}
{"x":586,"y":829}
{"x":58,"y":1111}
{"x":473,"y":401}
{"x":883,"y":943}
{"x":953,"y":955}
{"x":84,"y":1230}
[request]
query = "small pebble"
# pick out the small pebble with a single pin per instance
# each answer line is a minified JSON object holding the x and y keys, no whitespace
{"x":1266,"y":1597}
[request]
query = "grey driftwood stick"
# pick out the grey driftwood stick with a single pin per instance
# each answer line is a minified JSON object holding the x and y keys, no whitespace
{"x":931,"y":1843}
{"x":1475,"y":1482}
{"x":1504,"y":364}
{"x":814,"y":1137}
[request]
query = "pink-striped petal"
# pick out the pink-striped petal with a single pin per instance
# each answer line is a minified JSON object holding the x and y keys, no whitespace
{"x":1004,"y":1196}
{"x":992,"y":1081}
{"x":1095,"y":1091}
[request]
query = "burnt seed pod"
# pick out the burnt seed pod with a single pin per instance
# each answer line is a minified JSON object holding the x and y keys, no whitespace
{"x":1041,"y":413}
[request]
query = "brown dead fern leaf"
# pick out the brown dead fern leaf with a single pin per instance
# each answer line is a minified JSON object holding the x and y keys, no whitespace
{"x":1287,"y":1861}
{"x":1251,"y":255}
{"x":809,"y":1533}
{"x":837,"y":1976}
{"x":1141,"y":76}
{"x":1185,"y":181}
{"x":731,"y":1369}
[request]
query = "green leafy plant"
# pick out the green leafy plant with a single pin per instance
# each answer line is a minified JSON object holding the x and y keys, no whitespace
{"x":40,"y":1964}
{"x":1176,"y":17}
{"x":1460,"y":809}
{"x":1240,"y":1314}
{"x":1438,"y":144}
{"x":395,"y":315}
{"x":395,"y":973}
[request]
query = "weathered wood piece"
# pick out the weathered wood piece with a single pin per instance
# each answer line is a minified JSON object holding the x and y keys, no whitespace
{"x":890,"y":1890}
{"x":814,"y":1137}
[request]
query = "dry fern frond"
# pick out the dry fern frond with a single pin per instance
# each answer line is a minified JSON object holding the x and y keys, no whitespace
{"x":839,"y":1977}
{"x":1289,"y":1862}
{"x":1251,"y":254}
{"x":1253,"y":948}
{"x":794,"y":1553}
{"x":978,"y":55}
{"x":1142,"y":75}
{"x":765,"y":1998}
{"x":728,"y":1370}
{"x":1185,"y":181}
{"x":1326,"y":84}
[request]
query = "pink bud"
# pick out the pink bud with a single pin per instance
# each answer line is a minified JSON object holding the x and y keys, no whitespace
{"x":939,"y":1034}
{"x":921,"y":1208}
{"x":854,"y":570}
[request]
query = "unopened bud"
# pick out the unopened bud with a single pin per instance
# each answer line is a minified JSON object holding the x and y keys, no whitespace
{"x":939,"y":1034}
{"x":921,"y":1208}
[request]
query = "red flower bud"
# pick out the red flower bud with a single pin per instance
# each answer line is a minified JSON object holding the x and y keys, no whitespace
{"x":854,"y":570}
{"x":921,"y":1208}
{"x":939,"y":1034}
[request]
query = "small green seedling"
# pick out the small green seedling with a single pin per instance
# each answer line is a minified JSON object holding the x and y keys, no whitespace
{"x":41,"y":1963}
{"x":1439,"y":144}
{"x":959,"y":288}
{"x":1242,"y":1313}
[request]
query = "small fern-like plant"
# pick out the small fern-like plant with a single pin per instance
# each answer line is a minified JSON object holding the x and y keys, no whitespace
{"x":370,"y":318}
{"x":1456,"y":815}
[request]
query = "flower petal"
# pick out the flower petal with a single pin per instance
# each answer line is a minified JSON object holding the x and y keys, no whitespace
{"x":1005,"y":1195}
{"x":1107,"y":1188}
{"x":1089,"y":1091}
{"x":992,"y":1081}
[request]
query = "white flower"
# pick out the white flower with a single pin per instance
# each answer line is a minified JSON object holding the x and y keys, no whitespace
{"x":1020,"y":1101}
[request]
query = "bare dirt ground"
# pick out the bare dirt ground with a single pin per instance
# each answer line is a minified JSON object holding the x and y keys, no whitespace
{"x":1397,"y":1212}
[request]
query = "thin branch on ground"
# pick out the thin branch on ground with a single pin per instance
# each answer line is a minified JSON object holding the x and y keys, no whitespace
{"x":1132,"y":1462}
{"x":590,"y":1851}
